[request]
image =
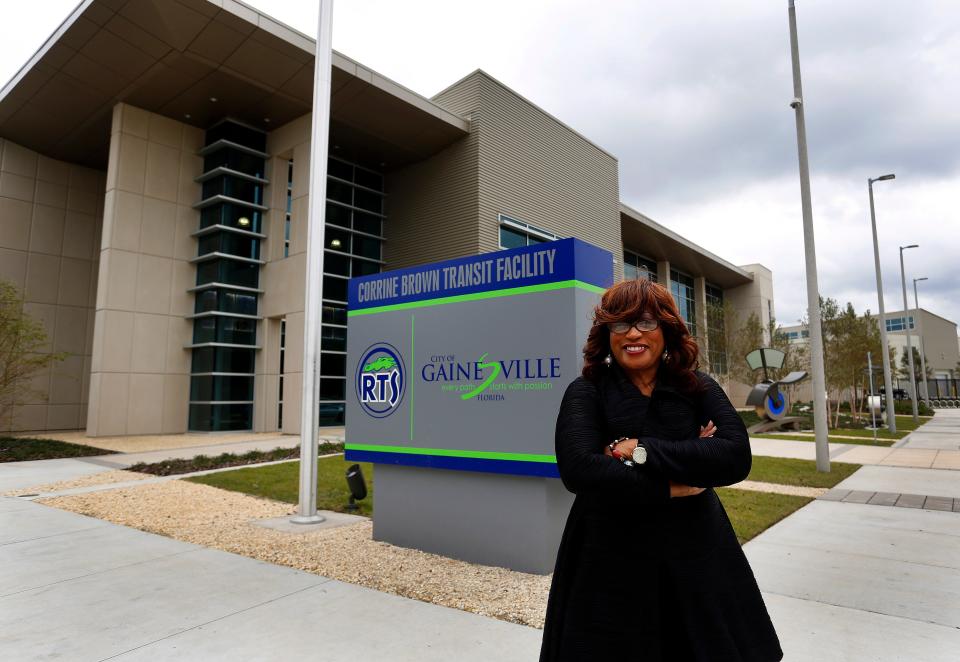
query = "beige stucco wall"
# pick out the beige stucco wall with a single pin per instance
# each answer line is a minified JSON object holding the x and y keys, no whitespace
{"x":283,"y":279}
{"x":139,"y":381}
{"x":939,"y":342}
{"x":50,"y":218}
{"x":755,"y":297}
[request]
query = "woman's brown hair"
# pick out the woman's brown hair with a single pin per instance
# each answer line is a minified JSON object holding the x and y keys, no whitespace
{"x":626,"y":302}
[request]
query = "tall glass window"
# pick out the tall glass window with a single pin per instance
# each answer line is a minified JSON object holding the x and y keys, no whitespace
{"x":636,"y":266}
{"x":228,"y":275}
{"x":356,"y":212}
{"x":681,"y":286}
{"x":716,"y":333}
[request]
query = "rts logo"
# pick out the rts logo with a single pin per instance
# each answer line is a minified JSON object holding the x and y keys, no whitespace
{"x":380,"y":380}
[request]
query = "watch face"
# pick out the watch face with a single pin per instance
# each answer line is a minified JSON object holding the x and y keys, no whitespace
{"x":639,"y":454}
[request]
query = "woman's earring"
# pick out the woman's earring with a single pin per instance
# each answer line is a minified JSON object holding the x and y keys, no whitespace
{"x":666,"y":355}
{"x":608,"y":361}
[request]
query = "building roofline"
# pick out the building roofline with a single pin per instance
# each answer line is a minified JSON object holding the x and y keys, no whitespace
{"x":653,"y":225}
{"x":348,"y":64}
{"x":44,"y":47}
{"x":481,"y":72}
{"x":280,"y":30}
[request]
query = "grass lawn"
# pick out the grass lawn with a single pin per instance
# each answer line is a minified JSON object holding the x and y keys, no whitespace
{"x":281,"y":482}
{"x":833,"y":440}
{"x":19,"y":449}
{"x":788,"y":471}
{"x":906,"y":422}
{"x":753,"y":512}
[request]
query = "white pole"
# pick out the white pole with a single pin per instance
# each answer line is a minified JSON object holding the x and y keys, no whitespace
{"x":873,"y":415}
{"x":882,"y":319}
{"x":906,"y":322}
{"x":923,"y":359}
{"x":319,"y":139}
{"x":810,"y":250}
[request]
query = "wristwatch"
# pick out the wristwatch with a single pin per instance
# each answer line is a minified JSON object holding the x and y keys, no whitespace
{"x":639,"y":454}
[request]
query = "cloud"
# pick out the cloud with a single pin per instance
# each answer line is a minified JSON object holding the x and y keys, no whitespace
{"x":693,"y":100}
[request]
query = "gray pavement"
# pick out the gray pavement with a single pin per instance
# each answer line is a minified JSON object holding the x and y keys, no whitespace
{"x":932,"y":482}
{"x":17,"y":475}
{"x":77,"y":588}
{"x":940,"y":433}
{"x":861,"y":581}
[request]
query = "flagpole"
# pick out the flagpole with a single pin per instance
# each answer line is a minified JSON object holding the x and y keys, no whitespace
{"x":319,"y":142}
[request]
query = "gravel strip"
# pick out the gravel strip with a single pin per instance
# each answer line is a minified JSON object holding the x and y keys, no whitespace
{"x":221,"y":519}
{"x":102,"y":478}
{"x":777,"y":488}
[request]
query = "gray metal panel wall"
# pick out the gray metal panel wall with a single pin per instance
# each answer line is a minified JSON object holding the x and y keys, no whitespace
{"x":518,"y":161}
{"x":432,"y":206}
{"x":534,"y":168}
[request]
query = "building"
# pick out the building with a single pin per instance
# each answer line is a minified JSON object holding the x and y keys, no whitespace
{"x":153,"y":201}
{"x":935,"y":336}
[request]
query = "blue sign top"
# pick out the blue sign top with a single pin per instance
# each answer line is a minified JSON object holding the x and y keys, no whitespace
{"x":551,"y":262}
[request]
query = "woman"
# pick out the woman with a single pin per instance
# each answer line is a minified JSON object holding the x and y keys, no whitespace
{"x":649,"y":567}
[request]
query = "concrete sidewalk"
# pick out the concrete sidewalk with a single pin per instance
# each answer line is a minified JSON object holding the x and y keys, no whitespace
{"x":939,"y":433}
{"x":77,"y":588}
{"x":868,"y":580}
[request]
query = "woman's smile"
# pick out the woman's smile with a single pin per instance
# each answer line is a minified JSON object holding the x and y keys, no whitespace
{"x":638,"y":352}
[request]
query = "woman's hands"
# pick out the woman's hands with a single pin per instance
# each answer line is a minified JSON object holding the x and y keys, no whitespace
{"x":625,"y":449}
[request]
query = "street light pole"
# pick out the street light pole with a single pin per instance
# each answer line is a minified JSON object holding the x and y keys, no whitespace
{"x":906,"y":321}
{"x":885,"y":353}
{"x":810,"y":253}
{"x":923,"y":360}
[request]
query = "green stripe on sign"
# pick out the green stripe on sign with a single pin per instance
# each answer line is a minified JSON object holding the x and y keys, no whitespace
{"x":478,"y":296}
{"x":447,"y":452}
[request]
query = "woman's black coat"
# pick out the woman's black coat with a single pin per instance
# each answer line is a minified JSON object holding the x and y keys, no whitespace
{"x":641,"y":576}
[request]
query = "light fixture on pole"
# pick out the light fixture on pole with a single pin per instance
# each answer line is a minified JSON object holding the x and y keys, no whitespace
{"x":810,"y":252}
{"x":884,"y":352}
{"x":906,"y":322}
{"x":316,"y":219}
{"x":923,"y":359}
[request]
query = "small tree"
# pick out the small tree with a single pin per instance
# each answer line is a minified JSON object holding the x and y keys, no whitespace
{"x":847,"y":337}
{"x":904,"y":371}
{"x":22,"y":340}
{"x":740,"y":340}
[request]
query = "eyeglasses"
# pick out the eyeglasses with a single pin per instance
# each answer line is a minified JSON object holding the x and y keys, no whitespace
{"x":639,"y":325}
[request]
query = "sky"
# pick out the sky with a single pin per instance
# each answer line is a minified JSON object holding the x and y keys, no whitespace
{"x":693,"y":100}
